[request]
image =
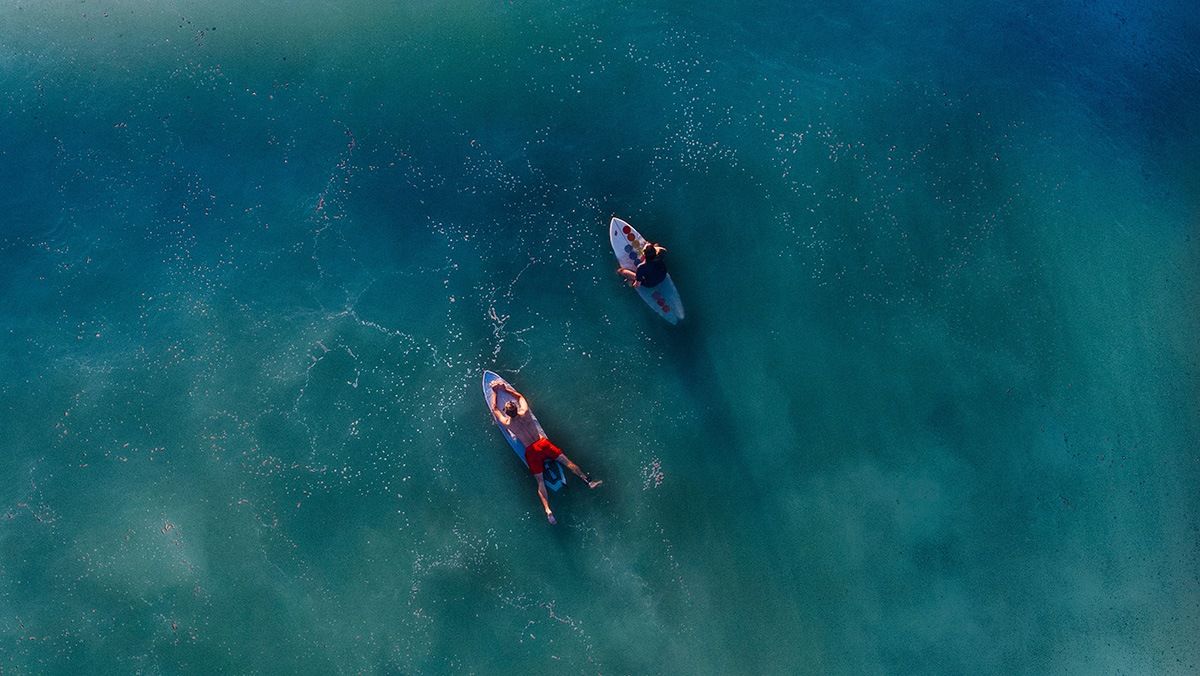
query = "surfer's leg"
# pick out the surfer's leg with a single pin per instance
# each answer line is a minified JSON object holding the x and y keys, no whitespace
{"x":564,"y":460}
{"x":541,"y":491}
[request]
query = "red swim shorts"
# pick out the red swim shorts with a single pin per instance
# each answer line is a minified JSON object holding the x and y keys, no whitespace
{"x":537,"y":453}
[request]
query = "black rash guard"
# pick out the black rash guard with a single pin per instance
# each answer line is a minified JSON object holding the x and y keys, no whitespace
{"x":651,"y":273}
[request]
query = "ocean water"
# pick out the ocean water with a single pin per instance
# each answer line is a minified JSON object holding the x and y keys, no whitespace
{"x":934,"y":409}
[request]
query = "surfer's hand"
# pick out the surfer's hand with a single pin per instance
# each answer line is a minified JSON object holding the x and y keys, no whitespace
{"x":550,"y":518}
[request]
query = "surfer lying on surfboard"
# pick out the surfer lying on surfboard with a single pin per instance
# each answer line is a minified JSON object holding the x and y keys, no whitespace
{"x":651,"y":269}
{"x":538,"y":449}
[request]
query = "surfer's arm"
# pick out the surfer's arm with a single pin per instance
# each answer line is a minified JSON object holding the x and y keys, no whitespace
{"x":504,"y":419}
{"x":522,"y":405}
{"x":507,"y":388}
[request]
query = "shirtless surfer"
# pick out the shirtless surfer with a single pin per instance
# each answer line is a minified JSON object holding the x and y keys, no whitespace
{"x":538,"y":449}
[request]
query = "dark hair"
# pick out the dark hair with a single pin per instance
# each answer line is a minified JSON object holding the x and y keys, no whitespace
{"x":651,"y":251}
{"x":511,"y":407}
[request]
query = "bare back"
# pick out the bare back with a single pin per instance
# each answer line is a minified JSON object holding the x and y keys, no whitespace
{"x":524,"y":428}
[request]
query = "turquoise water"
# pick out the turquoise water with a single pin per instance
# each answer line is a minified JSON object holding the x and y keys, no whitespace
{"x":934,"y":408}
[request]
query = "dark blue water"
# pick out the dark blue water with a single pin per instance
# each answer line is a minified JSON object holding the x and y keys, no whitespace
{"x":934,"y":408}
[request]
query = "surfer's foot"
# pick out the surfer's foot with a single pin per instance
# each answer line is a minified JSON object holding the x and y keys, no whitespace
{"x":593,"y":484}
{"x":550,"y":518}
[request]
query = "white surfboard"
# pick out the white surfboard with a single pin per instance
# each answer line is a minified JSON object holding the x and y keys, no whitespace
{"x":627,"y":244}
{"x":552,"y":473}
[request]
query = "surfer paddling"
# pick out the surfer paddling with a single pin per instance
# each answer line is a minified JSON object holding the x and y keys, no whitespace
{"x":539,"y":450}
{"x":651,"y":269}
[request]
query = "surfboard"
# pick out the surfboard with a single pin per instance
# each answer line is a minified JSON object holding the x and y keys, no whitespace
{"x":552,"y":473}
{"x":627,"y":244}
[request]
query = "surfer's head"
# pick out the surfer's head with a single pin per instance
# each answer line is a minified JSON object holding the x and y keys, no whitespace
{"x":651,"y":251}
{"x":510,"y":408}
